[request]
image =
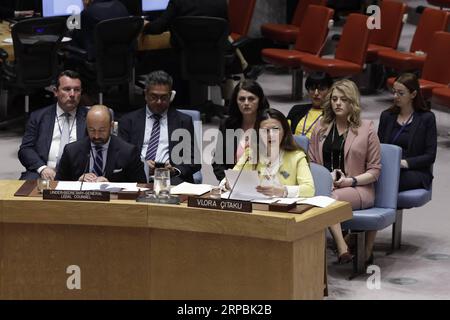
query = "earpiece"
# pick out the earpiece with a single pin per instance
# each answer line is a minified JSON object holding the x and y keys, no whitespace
{"x":172,"y":95}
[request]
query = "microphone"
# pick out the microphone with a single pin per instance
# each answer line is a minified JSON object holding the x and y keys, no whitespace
{"x":240,"y":171}
{"x":86,"y":167}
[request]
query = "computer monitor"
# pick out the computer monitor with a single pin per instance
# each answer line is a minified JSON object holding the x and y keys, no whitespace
{"x":52,"y":8}
{"x":154,"y":5}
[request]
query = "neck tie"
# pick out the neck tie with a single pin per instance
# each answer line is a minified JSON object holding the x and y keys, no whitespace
{"x":64,"y":119}
{"x":154,"y":138}
{"x":98,"y":161}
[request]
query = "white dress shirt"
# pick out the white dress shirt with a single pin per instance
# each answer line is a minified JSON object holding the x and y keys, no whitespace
{"x":162,"y":153}
{"x":56,"y":138}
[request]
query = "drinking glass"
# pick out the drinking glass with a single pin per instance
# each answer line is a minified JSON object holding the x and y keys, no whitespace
{"x":42,"y":184}
{"x":161,"y":183}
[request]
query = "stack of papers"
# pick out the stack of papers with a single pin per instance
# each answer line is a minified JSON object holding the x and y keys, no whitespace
{"x":191,"y":189}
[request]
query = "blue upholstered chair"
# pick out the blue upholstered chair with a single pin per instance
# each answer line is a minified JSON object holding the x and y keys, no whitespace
{"x":383,"y":213}
{"x":195,"y":115}
{"x":323,"y":182}
{"x":302,"y":141}
{"x":406,"y":200}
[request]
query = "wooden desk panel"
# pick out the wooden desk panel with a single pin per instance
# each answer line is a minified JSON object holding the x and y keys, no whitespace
{"x":129,"y":250}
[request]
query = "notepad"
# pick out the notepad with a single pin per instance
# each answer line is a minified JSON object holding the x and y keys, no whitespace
{"x":187,"y":188}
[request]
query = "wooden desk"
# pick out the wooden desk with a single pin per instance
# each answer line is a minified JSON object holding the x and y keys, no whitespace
{"x":129,"y":250}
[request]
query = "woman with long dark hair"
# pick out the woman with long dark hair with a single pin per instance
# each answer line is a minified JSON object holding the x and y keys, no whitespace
{"x":246,"y":106}
{"x":282,"y":165}
{"x":410,"y":124}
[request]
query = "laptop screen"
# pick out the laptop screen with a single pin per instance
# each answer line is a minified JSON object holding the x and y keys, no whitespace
{"x":154,"y":5}
{"x":52,"y":8}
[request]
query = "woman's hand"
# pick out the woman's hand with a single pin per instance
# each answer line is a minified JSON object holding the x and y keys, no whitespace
{"x":271,"y":191}
{"x":343,"y":181}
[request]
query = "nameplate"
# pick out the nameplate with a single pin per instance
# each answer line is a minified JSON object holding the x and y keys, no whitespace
{"x":220,"y":204}
{"x":91,"y":195}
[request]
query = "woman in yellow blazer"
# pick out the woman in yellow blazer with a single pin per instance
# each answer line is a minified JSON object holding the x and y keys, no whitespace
{"x":282,"y":165}
{"x":349,"y":148}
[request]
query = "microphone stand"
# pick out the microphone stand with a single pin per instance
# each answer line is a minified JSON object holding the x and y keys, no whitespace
{"x":240,"y":171}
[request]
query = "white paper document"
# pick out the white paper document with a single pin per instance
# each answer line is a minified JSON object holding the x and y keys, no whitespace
{"x":245,"y":188}
{"x":191,"y":188}
{"x":319,"y":201}
{"x":102,"y":186}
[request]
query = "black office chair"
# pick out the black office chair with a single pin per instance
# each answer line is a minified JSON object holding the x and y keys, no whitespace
{"x":206,"y":55}
{"x":36,"y":64}
{"x":115,"y":46}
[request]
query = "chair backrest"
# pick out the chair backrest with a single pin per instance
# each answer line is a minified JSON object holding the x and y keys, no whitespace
{"x":195,"y":115}
{"x":436,"y":66}
{"x":36,"y":42}
{"x":391,"y":24}
{"x":116,"y":42}
{"x":302,"y":141}
{"x":316,"y":18}
{"x":240,"y":13}
{"x":323,"y":181}
{"x":353,"y":44}
{"x":386,"y":188}
{"x":202,"y":53}
{"x":432,"y":20}
{"x":301,"y":8}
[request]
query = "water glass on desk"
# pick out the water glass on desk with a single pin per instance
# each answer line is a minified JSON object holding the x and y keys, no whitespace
{"x":42,"y":184}
{"x":161,"y":183}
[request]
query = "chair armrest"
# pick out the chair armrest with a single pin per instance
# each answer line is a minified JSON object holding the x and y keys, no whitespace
{"x":241,"y":42}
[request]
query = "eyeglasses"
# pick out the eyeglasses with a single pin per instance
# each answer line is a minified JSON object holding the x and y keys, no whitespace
{"x":276,"y":128}
{"x":163,"y":97}
{"x":398,"y":93}
{"x":317,"y":87}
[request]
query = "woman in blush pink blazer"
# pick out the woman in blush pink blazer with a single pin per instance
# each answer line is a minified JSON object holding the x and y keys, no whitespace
{"x":349,"y":148}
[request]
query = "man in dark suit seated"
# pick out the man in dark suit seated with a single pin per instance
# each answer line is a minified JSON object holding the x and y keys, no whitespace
{"x":100,"y":157}
{"x":49,"y":129}
{"x":95,"y":11}
{"x":151,"y":129}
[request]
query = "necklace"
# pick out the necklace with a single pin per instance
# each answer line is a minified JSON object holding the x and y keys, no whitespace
{"x":340,"y":148}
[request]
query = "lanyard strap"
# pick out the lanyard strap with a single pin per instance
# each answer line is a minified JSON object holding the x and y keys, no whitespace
{"x":401,"y":129}
{"x":60,"y":128}
{"x":312,"y":124}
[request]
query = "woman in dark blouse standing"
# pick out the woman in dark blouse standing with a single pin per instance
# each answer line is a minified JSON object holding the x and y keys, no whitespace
{"x":410,"y":124}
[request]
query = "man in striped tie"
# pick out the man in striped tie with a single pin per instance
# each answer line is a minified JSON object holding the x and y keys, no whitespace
{"x":100,"y":157}
{"x":150,"y":129}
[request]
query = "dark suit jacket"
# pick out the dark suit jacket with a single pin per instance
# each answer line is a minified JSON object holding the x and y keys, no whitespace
{"x":422,"y":145}
{"x":37,"y":139}
{"x":98,"y":11}
{"x":181,"y":8}
{"x":123,"y":163}
{"x":132,"y":130}
{"x":297,"y":113}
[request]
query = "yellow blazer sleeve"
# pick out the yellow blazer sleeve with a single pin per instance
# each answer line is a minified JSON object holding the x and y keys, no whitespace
{"x":295,"y":171}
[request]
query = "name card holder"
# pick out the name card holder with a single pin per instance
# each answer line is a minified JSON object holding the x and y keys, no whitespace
{"x":220,"y":204}
{"x":77,"y":195}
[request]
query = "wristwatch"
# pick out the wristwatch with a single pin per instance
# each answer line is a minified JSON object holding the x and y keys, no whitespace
{"x":354,"y":182}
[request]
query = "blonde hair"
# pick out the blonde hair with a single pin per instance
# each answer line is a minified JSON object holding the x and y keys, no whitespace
{"x":349,"y":89}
